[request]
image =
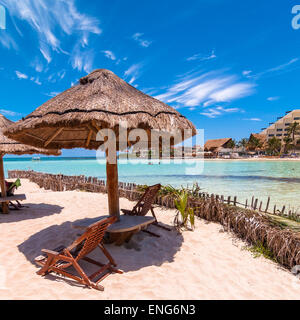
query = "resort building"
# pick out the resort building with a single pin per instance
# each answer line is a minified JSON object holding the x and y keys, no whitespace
{"x":279,"y":129}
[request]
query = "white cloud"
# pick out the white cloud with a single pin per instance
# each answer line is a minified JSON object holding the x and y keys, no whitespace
{"x":273,"y":98}
{"x":218,"y":111}
{"x":202,"y":57}
{"x":9,"y":113}
{"x":253,"y":119}
{"x":109,"y":54}
{"x":233,"y":92}
{"x":63,"y":18}
{"x":133,"y":72}
{"x":46,"y":53}
{"x":37,"y":65}
{"x":21,"y":75}
{"x":246,"y":73}
{"x":52,"y":94}
{"x":285,"y":67}
{"x":36,"y":80}
{"x":206,"y":89}
{"x":142,"y":42}
{"x":82,"y":60}
{"x":7,"y":41}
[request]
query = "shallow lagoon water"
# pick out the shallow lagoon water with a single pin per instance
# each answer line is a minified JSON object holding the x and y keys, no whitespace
{"x":278,"y":179}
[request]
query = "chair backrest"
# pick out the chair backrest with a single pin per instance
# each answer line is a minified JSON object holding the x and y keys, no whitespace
{"x":94,"y":235}
{"x":12,"y":186}
{"x":146,"y":201}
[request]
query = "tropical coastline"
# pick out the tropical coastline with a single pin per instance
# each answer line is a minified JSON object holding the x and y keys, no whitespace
{"x":228,"y":177}
{"x":149,"y":156}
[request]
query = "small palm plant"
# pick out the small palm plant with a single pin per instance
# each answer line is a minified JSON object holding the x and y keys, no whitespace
{"x":185,"y":218}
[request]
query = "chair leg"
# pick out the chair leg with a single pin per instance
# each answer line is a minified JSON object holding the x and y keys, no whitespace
{"x":14,"y":206}
{"x":85,"y":278}
{"x":45,"y":270}
{"x":156,"y":222}
{"x":160,"y":226}
{"x":107,"y":254}
{"x":151,"y":233}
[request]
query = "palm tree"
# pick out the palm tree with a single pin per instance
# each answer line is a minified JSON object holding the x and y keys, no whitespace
{"x":274,"y":146}
{"x":287,"y":144}
{"x":231,"y":144}
{"x":243,"y":143}
{"x":254,"y":144}
{"x":293,"y":130}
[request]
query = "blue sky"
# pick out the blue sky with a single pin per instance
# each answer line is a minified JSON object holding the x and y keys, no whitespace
{"x":230,"y":66}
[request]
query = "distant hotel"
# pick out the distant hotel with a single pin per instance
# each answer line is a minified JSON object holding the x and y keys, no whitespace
{"x":279,"y":129}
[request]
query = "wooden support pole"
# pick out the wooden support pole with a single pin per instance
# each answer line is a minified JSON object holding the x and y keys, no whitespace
{"x":5,"y":208}
{"x":112,"y":187}
{"x":94,"y":123}
{"x":91,"y":128}
{"x":89,"y":138}
{"x":59,"y":131}
{"x":260,"y":206}
{"x":246,"y":205}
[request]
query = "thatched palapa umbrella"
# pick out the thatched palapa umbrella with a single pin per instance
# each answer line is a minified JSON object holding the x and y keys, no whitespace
{"x":100,"y":100}
{"x":9,"y":146}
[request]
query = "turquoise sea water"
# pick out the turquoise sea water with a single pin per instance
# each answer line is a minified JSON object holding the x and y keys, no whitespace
{"x":278,"y":179}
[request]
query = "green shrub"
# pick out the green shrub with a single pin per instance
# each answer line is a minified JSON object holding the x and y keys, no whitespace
{"x":185,"y":218}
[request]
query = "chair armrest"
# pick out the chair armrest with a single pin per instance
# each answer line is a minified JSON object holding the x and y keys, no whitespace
{"x":50,"y":252}
{"x":127,"y":212}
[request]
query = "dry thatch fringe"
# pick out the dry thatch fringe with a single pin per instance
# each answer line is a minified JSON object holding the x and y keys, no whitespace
{"x":9,"y":146}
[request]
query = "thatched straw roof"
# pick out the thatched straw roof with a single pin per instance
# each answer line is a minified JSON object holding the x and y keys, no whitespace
{"x":100,"y":100}
{"x":214,"y":145}
{"x":9,"y":146}
{"x":261,"y":137}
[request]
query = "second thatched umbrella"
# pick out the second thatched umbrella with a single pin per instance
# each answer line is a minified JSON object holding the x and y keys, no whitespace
{"x":101,"y":100}
{"x":9,"y":146}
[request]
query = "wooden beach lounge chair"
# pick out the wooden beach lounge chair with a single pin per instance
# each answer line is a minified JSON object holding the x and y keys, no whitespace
{"x":144,"y":205}
{"x":62,"y":258}
{"x":11,"y":187}
{"x":10,"y":196}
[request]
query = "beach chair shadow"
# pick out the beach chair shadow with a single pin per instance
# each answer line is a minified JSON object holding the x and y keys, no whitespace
{"x":140,"y":252}
{"x":30,"y":211}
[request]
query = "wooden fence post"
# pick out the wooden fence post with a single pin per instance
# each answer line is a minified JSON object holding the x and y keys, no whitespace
{"x":267,"y":206}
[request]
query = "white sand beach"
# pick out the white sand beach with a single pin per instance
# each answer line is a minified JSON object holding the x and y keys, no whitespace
{"x":205,"y":264}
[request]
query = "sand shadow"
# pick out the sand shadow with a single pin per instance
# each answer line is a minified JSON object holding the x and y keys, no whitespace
{"x":140,"y":252}
{"x":30,"y":211}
